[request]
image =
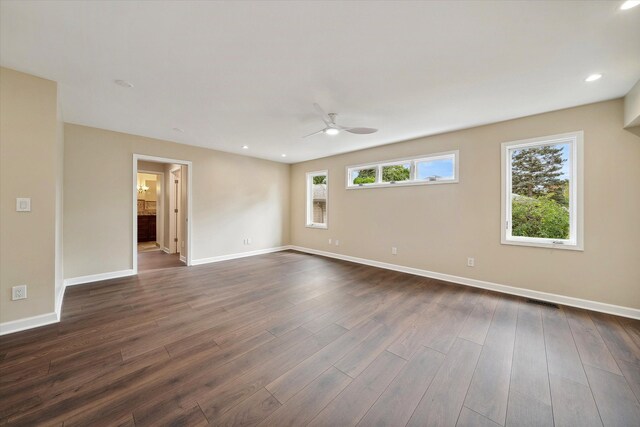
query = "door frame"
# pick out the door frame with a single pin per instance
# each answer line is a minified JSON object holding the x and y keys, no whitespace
{"x":134,"y":201}
{"x":174,"y":202}
{"x":159,"y":208}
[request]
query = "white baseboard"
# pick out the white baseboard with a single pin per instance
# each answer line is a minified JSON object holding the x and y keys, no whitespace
{"x":238,"y":255}
{"x":97,"y":277}
{"x":165,"y":250}
{"x":49,"y":318}
{"x":28,"y":323}
{"x":183,"y":259}
{"x":617,"y":310}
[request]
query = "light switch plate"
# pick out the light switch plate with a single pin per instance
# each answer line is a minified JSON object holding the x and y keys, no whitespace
{"x":23,"y":204}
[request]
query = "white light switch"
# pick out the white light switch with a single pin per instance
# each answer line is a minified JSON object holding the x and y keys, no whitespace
{"x":23,"y":204}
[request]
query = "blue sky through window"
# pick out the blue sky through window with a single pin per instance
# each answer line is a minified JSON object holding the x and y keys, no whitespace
{"x":442,"y":168}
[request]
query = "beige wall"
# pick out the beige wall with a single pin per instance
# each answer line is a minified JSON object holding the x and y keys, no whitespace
{"x":233,"y":197}
{"x":632,"y":106}
{"x":151,"y":166}
{"x":436,"y":227}
{"x":29,"y":164}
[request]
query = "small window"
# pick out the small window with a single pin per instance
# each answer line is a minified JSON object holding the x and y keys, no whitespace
{"x":363,"y":176}
{"x":542,"y":192}
{"x":436,"y":168}
{"x":317,"y":199}
{"x":396,"y":173}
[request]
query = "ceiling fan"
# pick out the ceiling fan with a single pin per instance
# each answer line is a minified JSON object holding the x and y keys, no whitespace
{"x":332,"y":128}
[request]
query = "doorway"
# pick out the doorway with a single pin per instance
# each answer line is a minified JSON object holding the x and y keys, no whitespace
{"x":150,"y":208}
{"x":161,"y":231}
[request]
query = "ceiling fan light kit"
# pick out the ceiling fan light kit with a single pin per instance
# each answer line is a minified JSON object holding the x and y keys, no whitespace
{"x":331,"y":128}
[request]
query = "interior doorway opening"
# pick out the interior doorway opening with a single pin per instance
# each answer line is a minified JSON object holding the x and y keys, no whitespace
{"x":161,"y":223}
{"x":150,"y":208}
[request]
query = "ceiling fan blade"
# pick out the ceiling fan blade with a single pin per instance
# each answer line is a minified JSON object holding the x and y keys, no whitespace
{"x":360,"y":131}
{"x":314,"y":133}
{"x":324,"y":116}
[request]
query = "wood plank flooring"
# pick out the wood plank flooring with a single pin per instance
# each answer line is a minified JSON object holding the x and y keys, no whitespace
{"x":295,"y":339}
{"x":155,"y":260}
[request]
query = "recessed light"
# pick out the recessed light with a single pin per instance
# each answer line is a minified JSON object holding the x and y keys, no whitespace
{"x":629,"y":4}
{"x":283,"y":155}
{"x":245,"y":147}
{"x":593,"y":78}
{"x":332,"y":131}
{"x":179,"y":130}
{"x":123,"y":83}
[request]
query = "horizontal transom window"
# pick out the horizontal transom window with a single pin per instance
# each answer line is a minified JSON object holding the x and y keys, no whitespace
{"x":440,"y":168}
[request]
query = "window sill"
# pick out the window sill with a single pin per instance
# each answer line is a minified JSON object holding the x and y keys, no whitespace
{"x":400,"y":184}
{"x":566,"y":247}
{"x":319,"y":226}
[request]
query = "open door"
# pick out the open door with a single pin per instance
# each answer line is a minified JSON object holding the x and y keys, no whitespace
{"x":176,"y":211}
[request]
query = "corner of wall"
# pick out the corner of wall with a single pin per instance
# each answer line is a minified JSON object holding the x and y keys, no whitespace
{"x":632,"y":107}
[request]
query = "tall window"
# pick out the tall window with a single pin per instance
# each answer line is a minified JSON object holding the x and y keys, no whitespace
{"x":542,"y":192}
{"x":317,"y":199}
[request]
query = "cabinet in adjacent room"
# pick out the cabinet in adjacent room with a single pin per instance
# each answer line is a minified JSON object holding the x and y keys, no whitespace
{"x":146,"y":228}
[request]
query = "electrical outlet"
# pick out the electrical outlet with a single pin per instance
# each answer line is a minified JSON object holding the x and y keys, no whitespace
{"x":329,"y":241}
{"x":394,"y":251}
{"x":19,"y":292}
{"x":248,"y":240}
{"x":471,"y":262}
{"x":337,"y":242}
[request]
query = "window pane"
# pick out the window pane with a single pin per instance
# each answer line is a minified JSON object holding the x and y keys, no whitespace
{"x":540,"y":191}
{"x":435,"y":170}
{"x":395,"y":173}
{"x":363,"y":176}
{"x":319,"y":199}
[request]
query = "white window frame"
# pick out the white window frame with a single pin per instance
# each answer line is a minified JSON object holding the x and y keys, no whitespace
{"x":576,"y":192}
{"x":309,"y":208}
{"x":413,"y":161}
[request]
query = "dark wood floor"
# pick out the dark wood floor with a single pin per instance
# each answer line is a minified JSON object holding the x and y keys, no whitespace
{"x":155,"y":260}
{"x":294,"y":339}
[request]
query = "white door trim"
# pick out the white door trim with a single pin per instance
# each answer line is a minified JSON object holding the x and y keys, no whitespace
{"x":134,"y":201}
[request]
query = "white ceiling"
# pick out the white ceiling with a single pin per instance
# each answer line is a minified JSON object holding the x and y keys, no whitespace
{"x":235,"y":73}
